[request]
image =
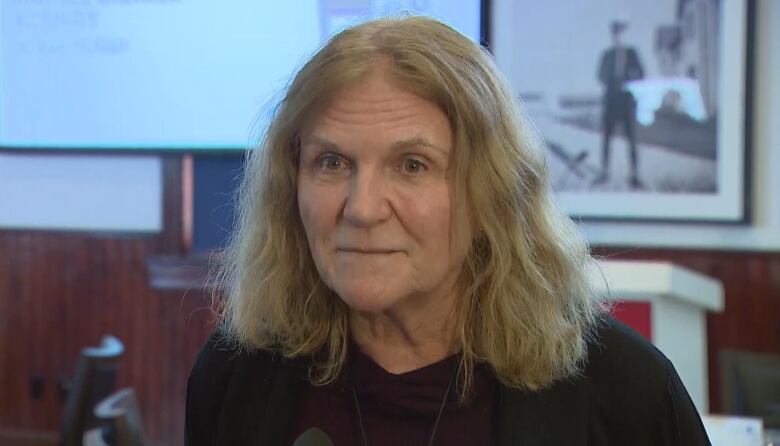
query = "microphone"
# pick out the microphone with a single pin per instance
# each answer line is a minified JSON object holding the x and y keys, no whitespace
{"x":313,"y":437}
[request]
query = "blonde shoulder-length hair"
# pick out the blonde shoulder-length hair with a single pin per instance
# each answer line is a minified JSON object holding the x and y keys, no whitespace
{"x":526,"y":309}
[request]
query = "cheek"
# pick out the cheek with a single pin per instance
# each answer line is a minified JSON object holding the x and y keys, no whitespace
{"x":318,"y":208}
{"x":448,"y":233}
{"x":308,"y":210}
{"x":463,"y":239}
{"x":429,"y":220}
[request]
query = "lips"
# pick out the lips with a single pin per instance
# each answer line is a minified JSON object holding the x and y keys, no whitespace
{"x":367,"y":250}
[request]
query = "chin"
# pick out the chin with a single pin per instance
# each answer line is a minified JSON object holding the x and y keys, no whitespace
{"x":367,"y":299}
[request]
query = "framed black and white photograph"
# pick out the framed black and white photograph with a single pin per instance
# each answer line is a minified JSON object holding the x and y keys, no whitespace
{"x":643,"y":106}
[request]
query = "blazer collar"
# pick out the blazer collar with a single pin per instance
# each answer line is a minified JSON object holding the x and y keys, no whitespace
{"x":553,"y":416}
{"x":260,"y":402}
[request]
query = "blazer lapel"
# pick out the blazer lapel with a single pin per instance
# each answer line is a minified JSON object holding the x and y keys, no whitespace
{"x":260,"y":402}
{"x":280,"y":406}
{"x":554,"y":416}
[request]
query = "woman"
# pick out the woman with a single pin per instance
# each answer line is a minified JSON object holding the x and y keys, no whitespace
{"x":400,"y":275}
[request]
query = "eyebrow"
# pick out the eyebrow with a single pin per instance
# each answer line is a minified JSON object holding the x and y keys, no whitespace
{"x":395,"y":147}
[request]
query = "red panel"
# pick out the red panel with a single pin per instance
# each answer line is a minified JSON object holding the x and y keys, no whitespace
{"x":635,"y":314}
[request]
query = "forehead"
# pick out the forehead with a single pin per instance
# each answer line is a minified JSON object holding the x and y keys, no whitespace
{"x":377,"y":107}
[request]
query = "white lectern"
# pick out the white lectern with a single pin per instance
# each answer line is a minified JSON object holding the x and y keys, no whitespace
{"x":668,"y":305}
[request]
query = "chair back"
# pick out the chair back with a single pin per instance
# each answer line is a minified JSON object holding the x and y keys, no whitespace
{"x":94,"y":380}
{"x":123,"y":416}
{"x":750,"y":385}
{"x":94,"y":437}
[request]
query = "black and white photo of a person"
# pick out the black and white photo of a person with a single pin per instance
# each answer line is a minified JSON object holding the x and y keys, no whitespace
{"x":619,"y":64}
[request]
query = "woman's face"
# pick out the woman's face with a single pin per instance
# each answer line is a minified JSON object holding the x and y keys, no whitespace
{"x":375,"y":198}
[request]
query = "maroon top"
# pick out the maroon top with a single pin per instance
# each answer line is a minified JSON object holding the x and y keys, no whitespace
{"x":399,"y":409}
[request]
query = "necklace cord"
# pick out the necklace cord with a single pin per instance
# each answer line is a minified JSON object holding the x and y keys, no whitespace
{"x":441,"y":409}
{"x":360,"y":416}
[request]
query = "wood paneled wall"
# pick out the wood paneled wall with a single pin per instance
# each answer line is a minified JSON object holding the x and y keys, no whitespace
{"x":62,"y":291}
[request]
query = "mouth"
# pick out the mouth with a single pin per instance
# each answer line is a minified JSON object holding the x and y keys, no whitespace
{"x":365,"y":251}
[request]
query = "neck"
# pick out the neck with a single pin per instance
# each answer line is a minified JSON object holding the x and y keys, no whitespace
{"x":409,"y":336}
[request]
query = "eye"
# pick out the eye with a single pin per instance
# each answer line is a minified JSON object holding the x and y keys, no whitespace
{"x":331,"y":162}
{"x":413,"y":166}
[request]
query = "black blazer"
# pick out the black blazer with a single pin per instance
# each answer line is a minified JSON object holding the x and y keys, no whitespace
{"x":629,"y":394}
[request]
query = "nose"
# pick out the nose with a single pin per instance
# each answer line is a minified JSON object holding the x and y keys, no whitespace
{"x":367,"y":202}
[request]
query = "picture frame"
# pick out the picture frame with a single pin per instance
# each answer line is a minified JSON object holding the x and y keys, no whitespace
{"x":644,"y":107}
